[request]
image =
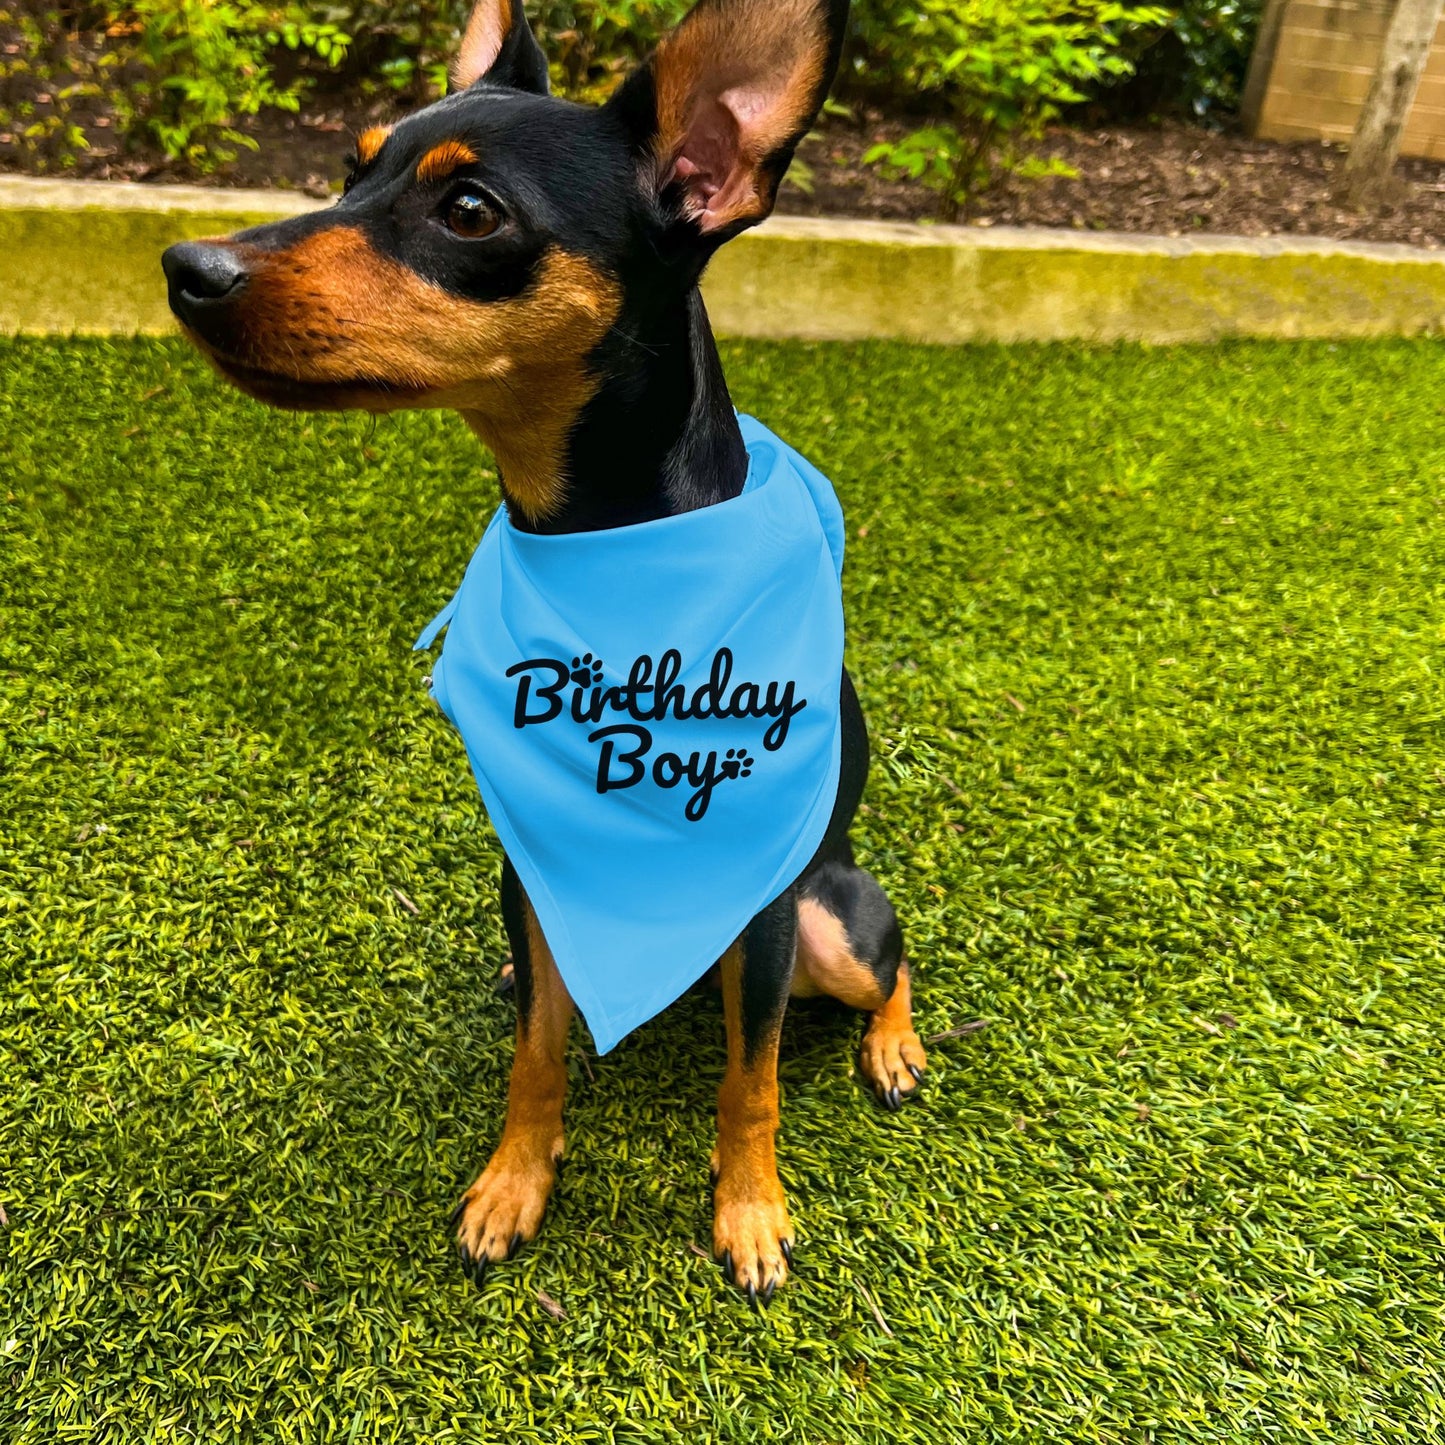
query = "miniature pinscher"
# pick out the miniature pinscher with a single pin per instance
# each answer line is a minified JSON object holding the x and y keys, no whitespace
{"x":534,"y":265}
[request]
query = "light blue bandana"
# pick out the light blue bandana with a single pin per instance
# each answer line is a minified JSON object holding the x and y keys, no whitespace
{"x":652,"y":716}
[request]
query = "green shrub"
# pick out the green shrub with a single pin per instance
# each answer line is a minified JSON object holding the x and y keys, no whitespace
{"x":1212,"y":40}
{"x":204,"y":64}
{"x":406,"y":45}
{"x":182,"y":74}
{"x":178,"y":74}
{"x":997,"y":71}
{"x":590,"y":44}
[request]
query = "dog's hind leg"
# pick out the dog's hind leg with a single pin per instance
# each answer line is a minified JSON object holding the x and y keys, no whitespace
{"x":752,"y":1235}
{"x":503,"y":1208}
{"x":850,"y":946}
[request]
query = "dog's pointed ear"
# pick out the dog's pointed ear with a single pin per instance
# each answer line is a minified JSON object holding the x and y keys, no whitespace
{"x":718,"y":110}
{"x":498,"y":47}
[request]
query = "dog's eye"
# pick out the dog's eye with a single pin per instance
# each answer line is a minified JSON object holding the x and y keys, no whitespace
{"x":471,"y":214}
{"x":353,"y":165}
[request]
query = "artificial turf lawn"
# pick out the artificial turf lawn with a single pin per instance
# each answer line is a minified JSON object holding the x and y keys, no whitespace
{"x":1150,"y":645}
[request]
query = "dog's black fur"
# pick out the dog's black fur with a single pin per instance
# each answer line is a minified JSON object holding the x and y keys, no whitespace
{"x":487,"y":197}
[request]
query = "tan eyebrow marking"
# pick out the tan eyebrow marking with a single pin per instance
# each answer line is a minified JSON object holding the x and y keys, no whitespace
{"x":443,"y":159}
{"x":369,"y":142}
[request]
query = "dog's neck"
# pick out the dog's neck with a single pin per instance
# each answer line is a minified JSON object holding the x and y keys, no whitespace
{"x":657,"y":438}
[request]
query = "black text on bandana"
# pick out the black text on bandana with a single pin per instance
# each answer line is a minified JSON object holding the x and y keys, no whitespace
{"x":551,"y":689}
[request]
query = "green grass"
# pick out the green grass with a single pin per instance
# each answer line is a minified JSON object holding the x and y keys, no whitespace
{"x":1150,"y":642}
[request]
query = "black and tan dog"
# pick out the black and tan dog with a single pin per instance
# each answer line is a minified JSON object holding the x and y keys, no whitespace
{"x":534,"y":265}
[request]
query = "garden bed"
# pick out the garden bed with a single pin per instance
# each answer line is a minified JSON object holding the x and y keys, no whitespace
{"x":1169,"y":179}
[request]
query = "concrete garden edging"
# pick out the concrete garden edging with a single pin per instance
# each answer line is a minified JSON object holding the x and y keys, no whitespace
{"x":82,"y":257}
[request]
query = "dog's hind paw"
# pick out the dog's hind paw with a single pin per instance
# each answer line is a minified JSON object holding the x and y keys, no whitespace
{"x":502,"y":1210}
{"x":893,"y":1061}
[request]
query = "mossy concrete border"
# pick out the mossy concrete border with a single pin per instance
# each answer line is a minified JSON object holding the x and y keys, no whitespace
{"x":82,"y":257}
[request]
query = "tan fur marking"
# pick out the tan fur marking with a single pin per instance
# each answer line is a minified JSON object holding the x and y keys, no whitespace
{"x":890,"y":1045}
{"x":726,"y":52}
{"x":750,"y":1214}
{"x":370,"y":142}
{"x":441,"y":160}
{"x":509,"y":1196}
{"x":826,"y":964}
{"x":486,"y":32}
{"x":333,"y":311}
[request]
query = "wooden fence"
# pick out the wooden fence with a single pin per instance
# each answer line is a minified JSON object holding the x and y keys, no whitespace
{"x":1313,"y":64}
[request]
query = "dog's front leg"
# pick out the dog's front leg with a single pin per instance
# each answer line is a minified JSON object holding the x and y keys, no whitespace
{"x":504,"y":1208}
{"x":751,"y":1232}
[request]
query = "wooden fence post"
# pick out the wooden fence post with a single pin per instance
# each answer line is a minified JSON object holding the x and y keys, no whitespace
{"x":1261,"y":64}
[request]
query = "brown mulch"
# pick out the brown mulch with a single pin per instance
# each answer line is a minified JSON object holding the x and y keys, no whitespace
{"x":303,"y":152}
{"x":1172,"y":179}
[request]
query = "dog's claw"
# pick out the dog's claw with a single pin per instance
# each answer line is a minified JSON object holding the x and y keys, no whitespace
{"x":456,"y":1213}
{"x":473,"y":1269}
{"x":916,"y":1072}
{"x":727,"y":1267}
{"x":514,"y":1246}
{"x":752,"y":1295}
{"x":893,"y":1099}
{"x":786,"y":1245}
{"x":767,"y":1294}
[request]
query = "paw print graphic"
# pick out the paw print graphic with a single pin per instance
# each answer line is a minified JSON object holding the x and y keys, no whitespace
{"x":586,"y":670}
{"x":737,"y":763}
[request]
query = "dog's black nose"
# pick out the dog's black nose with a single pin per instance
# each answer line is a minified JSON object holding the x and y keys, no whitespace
{"x":203,"y":270}
{"x":198,"y":274}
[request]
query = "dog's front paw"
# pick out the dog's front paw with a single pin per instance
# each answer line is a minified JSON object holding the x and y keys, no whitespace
{"x":892,"y":1061}
{"x":752,"y":1237}
{"x":502,"y":1210}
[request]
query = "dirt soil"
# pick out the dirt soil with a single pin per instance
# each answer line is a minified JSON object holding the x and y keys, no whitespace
{"x":1171,"y":179}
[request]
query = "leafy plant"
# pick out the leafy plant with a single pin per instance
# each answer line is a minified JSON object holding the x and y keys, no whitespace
{"x":998,"y":71}
{"x":406,"y":44}
{"x":1212,"y":43}
{"x":204,"y":63}
{"x":590,"y":44}
{"x":177,"y":73}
